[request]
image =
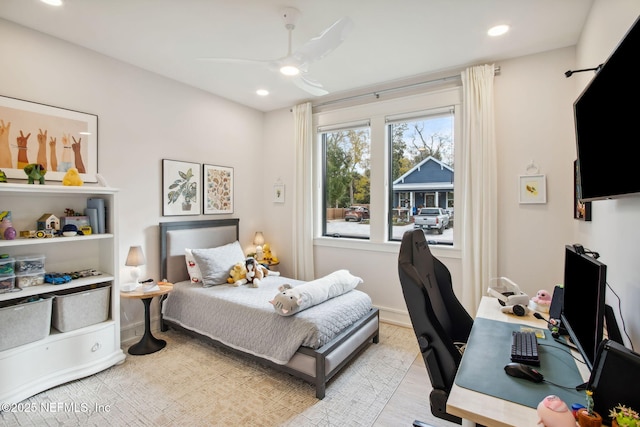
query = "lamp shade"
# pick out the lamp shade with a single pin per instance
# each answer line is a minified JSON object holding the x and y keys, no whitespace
{"x":135,"y":257}
{"x":258,"y":239}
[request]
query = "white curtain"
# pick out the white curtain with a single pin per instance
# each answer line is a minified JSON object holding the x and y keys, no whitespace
{"x":479,"y":242}
{"x":303,"y":194}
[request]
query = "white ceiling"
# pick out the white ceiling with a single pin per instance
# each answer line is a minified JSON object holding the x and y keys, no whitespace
{"x":391,"y":39}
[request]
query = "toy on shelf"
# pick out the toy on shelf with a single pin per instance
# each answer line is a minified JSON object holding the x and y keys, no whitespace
{"x":35,"y":172}
{"x":3,"y":176}
{"x":72,"y":178}
{"x":7,"y":232}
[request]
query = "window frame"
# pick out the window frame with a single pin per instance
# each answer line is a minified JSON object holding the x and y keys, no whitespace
{"x":377,"y":113}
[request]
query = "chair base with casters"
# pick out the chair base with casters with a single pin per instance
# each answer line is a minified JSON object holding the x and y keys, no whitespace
{"x":439,"y":321}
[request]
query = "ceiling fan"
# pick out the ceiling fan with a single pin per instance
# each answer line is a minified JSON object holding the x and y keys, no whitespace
{"x":295,"y":65}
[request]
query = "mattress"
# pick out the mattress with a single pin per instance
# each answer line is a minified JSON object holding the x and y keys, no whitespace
{"x":242,"y":317}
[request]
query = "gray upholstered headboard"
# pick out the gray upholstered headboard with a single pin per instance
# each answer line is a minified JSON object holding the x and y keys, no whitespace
{"x":176,"y":236}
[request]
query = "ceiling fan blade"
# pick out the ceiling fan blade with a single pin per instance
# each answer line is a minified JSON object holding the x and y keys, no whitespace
{"x":309,"y":85}
{"x":320,"y":46}
{"x":236,"y":60}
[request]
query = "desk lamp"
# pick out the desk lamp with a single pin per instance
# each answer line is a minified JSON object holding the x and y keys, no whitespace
{"x":258,"y":240}
{"x":135,"y":259}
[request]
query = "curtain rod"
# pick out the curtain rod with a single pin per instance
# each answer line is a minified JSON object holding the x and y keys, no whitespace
{"x":377,"y":93}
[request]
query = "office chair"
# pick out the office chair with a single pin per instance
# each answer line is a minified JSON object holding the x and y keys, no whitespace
{"x":440,"y":322}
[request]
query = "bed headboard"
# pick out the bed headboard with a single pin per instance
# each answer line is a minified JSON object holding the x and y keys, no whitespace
{"x":176,"y":236}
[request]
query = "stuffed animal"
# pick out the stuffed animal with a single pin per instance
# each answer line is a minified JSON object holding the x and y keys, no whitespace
{"x":72,"y":178}
{"x":256,"y":272}
{"x":238,"y":274}
{"x":35,"y":172}
{"x":291,"y":300}
{"x":553,"y":412}
{"x":266,"y":252}
{"x":541,"y":302}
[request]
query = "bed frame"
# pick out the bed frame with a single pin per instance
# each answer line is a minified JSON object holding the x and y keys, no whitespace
{"x":314,"y":366}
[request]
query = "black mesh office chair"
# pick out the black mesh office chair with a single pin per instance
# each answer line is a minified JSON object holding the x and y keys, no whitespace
{"x":440,"y":322}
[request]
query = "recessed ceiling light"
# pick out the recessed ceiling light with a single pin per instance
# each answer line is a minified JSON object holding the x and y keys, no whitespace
{"x":262,"y":92}
{"x":52,"y":2}
{"x":498,"y":30}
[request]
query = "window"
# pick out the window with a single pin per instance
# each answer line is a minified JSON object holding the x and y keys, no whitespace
{"x":346,"y":178}
{"x":378,"y":163}
{"x":421,"y":170}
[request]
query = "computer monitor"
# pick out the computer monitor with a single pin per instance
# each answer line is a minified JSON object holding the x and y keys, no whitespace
{"x":583,"y":310}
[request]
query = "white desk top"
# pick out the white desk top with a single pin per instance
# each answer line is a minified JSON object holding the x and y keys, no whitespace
{"x":488,"y":410}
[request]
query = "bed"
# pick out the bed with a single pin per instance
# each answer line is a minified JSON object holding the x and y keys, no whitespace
{"x":314,"y":355}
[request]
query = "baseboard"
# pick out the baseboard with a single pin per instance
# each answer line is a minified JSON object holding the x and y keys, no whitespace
{"x":395,"y":316}
{"x":132,"y":333}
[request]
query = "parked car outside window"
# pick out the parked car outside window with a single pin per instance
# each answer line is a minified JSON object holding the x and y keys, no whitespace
{"x":356,"y":213}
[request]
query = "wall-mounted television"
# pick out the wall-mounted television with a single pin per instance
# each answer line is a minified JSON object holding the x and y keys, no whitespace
{"x":607,"y":123}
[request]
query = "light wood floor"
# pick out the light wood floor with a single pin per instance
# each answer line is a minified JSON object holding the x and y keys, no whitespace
{"x":411,"y":401}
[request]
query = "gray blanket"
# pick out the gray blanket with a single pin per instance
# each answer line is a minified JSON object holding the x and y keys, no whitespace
{"x":242,"y":317}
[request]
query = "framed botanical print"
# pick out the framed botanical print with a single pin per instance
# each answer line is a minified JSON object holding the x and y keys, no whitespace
{"x":218,"y":189}
{"x":181,"y":182}
{"x":278,"y":193}
{"x":532,"y":189}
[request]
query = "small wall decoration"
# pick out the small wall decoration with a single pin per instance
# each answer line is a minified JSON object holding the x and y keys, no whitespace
{"x":278,"y":193}
{"x":181,"y":182}
{"x":218,"y":189}
{"x":56,"y":138}
{"x":532,"y":189}
{"x":581,"y":210}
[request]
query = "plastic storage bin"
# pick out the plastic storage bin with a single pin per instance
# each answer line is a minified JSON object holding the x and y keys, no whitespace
{"x":24,"y":322}
{"x":28,"y":264}
{"x":30,"y":279}
{"x":77,"y":308}
{"x":7,"y":266}
{"x":7,"y":283}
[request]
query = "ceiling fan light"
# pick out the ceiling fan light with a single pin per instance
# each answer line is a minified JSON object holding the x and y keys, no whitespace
{"x":289,"y":70}
{"x":498,"y":30}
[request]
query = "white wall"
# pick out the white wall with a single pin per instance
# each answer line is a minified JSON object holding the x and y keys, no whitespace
{"x":614,"y":231}
{"x":142,"y":118}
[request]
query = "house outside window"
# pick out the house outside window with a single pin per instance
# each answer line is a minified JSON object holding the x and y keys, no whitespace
{"x":422,"y":159}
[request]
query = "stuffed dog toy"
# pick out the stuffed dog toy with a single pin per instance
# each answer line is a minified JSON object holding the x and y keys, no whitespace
{"x":256,"y":272}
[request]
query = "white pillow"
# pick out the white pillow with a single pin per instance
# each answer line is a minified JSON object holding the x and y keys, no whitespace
{"x":192,"y":267}
{"x":215,"y":263}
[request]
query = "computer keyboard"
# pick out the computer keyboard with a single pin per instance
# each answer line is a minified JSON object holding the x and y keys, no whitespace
{"x":524,"y":348}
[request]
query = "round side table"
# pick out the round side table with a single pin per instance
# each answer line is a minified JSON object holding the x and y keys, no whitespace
{"x":148,"y":343}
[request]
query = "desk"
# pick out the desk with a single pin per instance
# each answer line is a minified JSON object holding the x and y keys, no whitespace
{"x":476,"y":407}
{"x":148,"y":343}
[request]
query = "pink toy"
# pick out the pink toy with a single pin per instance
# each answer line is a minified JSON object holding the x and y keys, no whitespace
{"x":553,"y":412}
{"x":543,"y":297}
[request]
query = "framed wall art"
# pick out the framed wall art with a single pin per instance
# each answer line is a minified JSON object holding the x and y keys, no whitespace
{"x":278,"y":193}
{"x":56,"y":138}
{"x":581,"y":210}
{"x":218,"y":189}
{"x":181,"y":182}
{"x":532,"y":189}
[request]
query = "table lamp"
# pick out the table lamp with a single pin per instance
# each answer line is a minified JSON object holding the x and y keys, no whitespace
{"x":135,"y":259}
{"x":258,"y":240}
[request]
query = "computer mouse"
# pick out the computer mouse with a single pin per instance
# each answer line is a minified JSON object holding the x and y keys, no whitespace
{"x":520,"y":370}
